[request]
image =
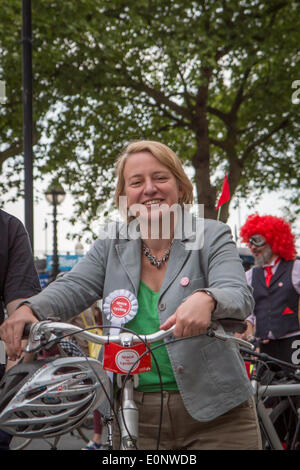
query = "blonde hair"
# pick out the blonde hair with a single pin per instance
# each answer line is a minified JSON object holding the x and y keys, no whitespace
{"x":165,"y":156}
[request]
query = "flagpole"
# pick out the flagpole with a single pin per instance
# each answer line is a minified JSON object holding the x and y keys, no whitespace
{"x":225,"y":196}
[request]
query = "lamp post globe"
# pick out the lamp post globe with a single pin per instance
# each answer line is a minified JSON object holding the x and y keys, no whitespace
{"x":55,"y":195}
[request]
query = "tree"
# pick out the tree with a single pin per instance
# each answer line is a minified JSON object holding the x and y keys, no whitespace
{"x":212,"y":79}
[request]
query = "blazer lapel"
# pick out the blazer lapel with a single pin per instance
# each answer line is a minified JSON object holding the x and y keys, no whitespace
{"x":185,"y":231}
{"x":130,"y":258}
{"x":178,"y":257}
{"x":129,"y":252}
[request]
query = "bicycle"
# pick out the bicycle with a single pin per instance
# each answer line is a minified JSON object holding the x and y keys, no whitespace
{"x":44,"y":334}
{"x":282,"y":384}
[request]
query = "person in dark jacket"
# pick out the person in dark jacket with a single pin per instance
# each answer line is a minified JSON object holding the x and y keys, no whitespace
{"x":18,"y":279}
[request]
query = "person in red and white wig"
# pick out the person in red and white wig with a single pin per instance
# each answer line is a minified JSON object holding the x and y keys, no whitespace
{"x":275,"y":279}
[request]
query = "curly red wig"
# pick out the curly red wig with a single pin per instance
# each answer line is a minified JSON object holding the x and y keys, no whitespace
{"x":276,"y":231}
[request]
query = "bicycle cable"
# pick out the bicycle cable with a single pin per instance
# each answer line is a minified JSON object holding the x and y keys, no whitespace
{"x":59,"y":339}
{"x":148,"y":350}
{"x":174,"y":340}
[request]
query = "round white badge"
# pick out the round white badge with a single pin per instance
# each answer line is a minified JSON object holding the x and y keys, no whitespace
{"x":127,"y":359}
{"x":120,"y":306}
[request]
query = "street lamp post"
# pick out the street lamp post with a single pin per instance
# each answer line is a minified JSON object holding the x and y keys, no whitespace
{"x":55,"y":195}
{"x":27,"y":115}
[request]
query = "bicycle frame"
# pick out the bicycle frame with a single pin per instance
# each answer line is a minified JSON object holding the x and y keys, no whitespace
{"x":263,"y":391}
{"x":42,"y":333}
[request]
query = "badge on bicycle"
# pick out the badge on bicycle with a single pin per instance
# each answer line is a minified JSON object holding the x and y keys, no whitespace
{"x":120,"y":306}
{"x":126,"y":360}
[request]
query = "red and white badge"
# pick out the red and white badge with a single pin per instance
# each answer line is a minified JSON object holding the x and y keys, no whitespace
{"x":120,"y":306}
{"x":126,"y":360}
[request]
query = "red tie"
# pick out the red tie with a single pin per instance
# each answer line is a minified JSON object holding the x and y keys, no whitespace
{"x":269,"y":274}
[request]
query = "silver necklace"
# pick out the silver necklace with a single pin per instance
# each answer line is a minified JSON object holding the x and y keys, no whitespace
{"x":156,"y":261}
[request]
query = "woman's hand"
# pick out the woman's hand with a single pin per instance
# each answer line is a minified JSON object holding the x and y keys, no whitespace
{"x":192,"y":317}
{"x":11,"y":331}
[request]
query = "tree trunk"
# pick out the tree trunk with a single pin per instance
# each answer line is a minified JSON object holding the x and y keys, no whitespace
{"x":206,"y":193}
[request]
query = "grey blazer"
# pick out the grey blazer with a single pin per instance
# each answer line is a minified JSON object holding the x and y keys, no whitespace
{"x":210,"y":373}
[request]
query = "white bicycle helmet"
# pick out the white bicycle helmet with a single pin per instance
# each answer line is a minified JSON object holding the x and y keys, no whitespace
{"x":51,"y":396}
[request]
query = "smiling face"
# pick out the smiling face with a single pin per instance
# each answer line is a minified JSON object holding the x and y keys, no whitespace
{"x":150,"y":184}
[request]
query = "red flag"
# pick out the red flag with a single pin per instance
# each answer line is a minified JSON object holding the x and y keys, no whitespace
{"x":225,"y":196}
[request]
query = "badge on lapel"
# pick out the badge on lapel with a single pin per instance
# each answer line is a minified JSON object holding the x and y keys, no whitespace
{"x":120,"y":306}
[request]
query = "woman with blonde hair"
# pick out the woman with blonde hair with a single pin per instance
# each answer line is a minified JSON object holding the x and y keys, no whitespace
{"x":169,"y":276}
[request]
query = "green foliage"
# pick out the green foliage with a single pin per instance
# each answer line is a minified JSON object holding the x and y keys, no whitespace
{"x":212,"y":79}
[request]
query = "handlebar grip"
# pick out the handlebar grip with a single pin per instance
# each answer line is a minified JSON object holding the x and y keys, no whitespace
{"x":26,"y":331}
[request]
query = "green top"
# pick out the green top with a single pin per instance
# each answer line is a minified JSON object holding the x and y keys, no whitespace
{"x":146,"y":322}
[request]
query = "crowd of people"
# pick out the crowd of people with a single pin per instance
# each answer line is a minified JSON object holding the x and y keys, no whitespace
{"x":175,"y":278}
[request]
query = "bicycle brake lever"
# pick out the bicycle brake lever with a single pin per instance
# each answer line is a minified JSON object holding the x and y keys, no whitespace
{"x":37,"y":337}
{"x":213,"y":332}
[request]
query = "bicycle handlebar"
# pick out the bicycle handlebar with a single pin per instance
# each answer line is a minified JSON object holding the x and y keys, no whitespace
{"x":40,"y":333}
{"x":266,"y":358}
